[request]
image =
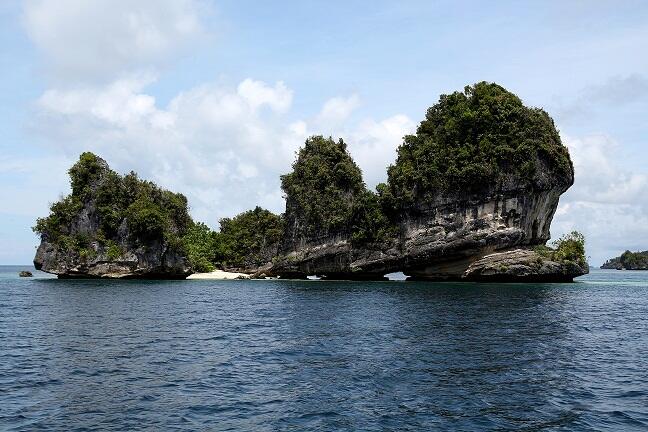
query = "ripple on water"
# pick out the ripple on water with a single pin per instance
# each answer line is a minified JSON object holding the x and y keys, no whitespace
{"x":285,"y":355}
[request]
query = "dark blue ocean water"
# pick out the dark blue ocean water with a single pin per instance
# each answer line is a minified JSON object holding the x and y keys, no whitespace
{"x":284,"y":355}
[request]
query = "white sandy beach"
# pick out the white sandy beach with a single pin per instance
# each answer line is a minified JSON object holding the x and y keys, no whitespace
{"x":218,"y":274}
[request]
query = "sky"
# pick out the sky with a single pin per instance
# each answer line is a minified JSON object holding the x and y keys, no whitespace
{"x":213,"y":98}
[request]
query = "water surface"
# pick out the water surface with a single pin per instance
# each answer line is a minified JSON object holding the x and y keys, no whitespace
{"x":313,"y":355}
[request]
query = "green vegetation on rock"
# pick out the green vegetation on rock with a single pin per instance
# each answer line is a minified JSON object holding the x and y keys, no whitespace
{"x":479,"y":141}
{"x":249,"y":239}
{"x":322,"y":186}
{"x":102,"y":201}
{"x":472,"y":139}
{"x":569,"y":247}
{"x":370,"y":223}
{"x":326,"y":195}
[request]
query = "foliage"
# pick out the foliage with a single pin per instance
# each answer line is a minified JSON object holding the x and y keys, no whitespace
{"x":250,"y":238}
{"x":148,"y":211}
{"x":569,"y":247}
{"x":634,"y":260}
{"x":85,"y":172}
{"x":326,"y":194}
{"x":146,"y":220}
{"x":322,"y":185}
{"x":369,"y":222}
{"x":61,"y":215}
{"x":202,"y":246}
{"x":113,"y":251}
{"x":472,"y":138}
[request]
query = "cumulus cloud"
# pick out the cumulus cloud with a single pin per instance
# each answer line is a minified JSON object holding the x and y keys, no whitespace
{"x":99,"y":39}
{"x":336,"y":111}
{"x":256,"y":94}
{"x":371,"y":142}
{"x":373,"y":145}
{"x":225,"y":147}
{"x":599,"y":176}
{"x":607,"y":203}
{"x":219,"y":145}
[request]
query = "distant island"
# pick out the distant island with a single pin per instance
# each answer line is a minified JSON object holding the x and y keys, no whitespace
{"x":628,"y":261}
{"x":470,"y":197}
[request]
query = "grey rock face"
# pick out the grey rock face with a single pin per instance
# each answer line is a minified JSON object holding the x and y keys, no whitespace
{"x":154,"y":261}
{"x":522,"y":265}
{"x":442,"y":239}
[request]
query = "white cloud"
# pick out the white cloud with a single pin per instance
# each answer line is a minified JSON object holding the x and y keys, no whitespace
{"x":599,"y":176}
{"x":607,"y":203}
{"x":217,"y":145}
{"x":336,"y":111}
{"x":373,"y":145}
{"x":118,"y":104}
{"x":256,"y":93}
{"x":100,"y":39}
{"x":225,"y":148}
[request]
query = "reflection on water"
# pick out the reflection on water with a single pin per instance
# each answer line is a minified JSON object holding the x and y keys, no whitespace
{"x":314,"y":355}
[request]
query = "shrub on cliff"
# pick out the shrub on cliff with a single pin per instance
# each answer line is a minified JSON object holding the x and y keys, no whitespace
{"x":325,"y":195}
{"x":370,"y":223}
{"x":109,"y":200}
{"x":250,"y":238}
{"x":321,"y":188}
{"x":569,"y":247}
{"x":473,"y":138}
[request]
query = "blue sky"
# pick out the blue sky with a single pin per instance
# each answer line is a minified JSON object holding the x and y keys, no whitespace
{"x":213,"y":98}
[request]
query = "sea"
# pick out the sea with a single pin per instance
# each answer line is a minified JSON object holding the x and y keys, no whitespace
{"x":273,"y":355}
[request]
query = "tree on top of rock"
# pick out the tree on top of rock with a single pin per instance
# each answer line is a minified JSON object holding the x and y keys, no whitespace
{"x":471,"y":140}
{"x":321,"y":188}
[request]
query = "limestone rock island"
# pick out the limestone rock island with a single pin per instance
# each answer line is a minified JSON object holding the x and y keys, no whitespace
{"x":628,"y":261}
{"x":113,"y":226}
{"x":470,"y":196}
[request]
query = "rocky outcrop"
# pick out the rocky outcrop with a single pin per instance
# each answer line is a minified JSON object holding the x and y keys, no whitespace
{"x":113,"y":227}
{"x":451,"y":216}
{"x":440,"y":240}
{"x":522,"y":265}
{"x":151,"y":261}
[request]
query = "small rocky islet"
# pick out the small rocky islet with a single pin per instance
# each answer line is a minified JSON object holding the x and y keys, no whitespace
{"x":628,"y":261}
{"x":470,"y":197}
